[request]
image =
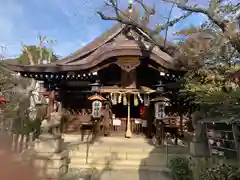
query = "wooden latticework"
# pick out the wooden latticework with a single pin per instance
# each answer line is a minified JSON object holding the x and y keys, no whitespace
{"x":223,"y":140}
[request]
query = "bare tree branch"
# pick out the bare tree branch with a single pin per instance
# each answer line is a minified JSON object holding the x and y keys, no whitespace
{"x":227,"y":27}
{"x":142,"y":26}
{"x":114,"y":4}
{"x":149,"y":11}
{"x":210,"y":14}
{"x":169,"y":17}
{"x":119,"y":13}
{"x":236,"y":7}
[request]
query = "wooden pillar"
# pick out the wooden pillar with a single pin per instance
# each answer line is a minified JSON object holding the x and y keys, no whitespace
{"x":236,"y":135}
{"x":128,"y":132}
{"x":181,"y":124}
{"x":149,"y":117}
{"x":60,"y":109}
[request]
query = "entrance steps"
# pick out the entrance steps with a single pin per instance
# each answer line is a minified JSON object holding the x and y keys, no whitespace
{"x":118,"y":153}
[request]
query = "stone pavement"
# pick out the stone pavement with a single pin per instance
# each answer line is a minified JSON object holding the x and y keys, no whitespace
{"x":134,"y":175}
{"x":119,"y":175}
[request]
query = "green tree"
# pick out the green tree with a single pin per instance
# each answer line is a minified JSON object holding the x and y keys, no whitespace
{"x":209,"y":59}
{"x":35,"y":51}
{"x":19,"y":91}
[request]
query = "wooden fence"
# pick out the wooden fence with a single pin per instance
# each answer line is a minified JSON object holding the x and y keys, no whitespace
{"x":21,"y":142}
{"x":6,"y":125}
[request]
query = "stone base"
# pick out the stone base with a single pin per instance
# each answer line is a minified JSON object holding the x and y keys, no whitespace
{"x":157,"y":142}
{"x":51,"y":159}
{"x":128,"y":134}
{"x":199,"y":149}
{"x":49,"y":143}
{"x":52,"y":165}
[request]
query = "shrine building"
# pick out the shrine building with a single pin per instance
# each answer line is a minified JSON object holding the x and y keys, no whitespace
{"x":123,"y":67}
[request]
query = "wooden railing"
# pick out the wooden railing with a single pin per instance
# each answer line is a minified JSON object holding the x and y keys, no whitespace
{"x":136,"y":128}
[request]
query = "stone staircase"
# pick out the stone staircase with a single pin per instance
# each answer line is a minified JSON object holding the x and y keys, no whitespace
{"x":118,"y":153}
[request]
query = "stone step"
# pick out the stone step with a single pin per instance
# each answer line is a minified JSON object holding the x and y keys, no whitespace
{"x":77,"y":137}
{"x":106,"y":149}
{"x":127,"y":149}
{"x":133,"y":140}
{"x":121,"y":155}
{"x":151,"y":161}
{"x":113,"y":144}
{"x":104,"y":167}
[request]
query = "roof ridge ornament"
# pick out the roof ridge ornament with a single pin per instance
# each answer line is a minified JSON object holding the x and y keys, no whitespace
{"x":130,"y":7}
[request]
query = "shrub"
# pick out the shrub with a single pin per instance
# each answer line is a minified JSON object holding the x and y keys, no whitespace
{"x":179,"y":167}
{"x":221,"y":172}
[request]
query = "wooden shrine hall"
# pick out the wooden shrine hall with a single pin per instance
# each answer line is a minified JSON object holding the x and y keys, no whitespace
{"x":126,"y":67}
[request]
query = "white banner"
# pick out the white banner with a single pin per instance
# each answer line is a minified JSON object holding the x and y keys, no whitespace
{"x":116,"y":122}
{"x":144,"y":123}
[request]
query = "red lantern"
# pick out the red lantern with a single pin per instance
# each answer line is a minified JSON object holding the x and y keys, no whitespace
{"x":142,"y":111}
{"x":2,"y":100}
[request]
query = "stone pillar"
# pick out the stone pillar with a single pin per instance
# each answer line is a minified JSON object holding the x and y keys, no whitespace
{"x":52,"y":159}
{"x":159,"y":132}
{"x":159,"y":108}
{"x":199,"y":146}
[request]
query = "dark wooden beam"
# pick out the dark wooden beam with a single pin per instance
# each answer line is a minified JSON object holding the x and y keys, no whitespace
{"x":75,"y":83}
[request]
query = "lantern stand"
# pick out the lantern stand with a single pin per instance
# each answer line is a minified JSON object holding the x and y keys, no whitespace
{"x":96,"y":87}
{"x":96,"y":115}
{"x":159,"y":108}
{"x":97,"y":100}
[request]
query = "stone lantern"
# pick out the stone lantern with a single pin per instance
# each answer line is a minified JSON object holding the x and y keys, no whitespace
{"x":97,"y":100}
{"x":160,"y":102}
{"x":96,"y":87}
{"x":159,"y":107}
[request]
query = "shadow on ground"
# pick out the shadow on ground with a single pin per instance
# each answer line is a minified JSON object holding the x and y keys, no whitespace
{"x":152,"y":167}
{"x":158,"y":165}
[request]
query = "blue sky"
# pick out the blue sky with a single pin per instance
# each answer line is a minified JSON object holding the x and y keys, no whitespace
{"x":72,"y":23}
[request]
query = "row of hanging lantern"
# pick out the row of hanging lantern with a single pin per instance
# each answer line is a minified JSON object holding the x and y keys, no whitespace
{"x":121,"y":97}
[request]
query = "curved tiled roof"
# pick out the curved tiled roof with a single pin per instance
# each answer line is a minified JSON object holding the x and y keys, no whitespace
{"x":95,"y":44}
{"x":123,"y":48}
{"x":111,"y":44}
